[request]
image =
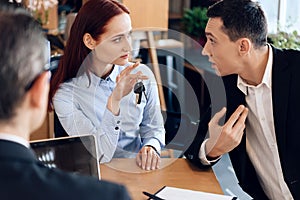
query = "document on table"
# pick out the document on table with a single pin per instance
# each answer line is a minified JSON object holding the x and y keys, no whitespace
{"x":181,"y":194}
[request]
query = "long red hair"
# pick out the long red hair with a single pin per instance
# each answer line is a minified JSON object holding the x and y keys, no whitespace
{"x":92,"y":18}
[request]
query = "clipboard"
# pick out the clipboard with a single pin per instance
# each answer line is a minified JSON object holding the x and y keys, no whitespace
{"x":167,"y":192}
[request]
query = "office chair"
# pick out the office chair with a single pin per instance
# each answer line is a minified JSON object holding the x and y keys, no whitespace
{"x":59,"y":131}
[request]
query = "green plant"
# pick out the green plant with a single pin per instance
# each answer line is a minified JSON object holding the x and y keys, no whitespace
{"x":194,"y":21}
{"x":285,"y":40}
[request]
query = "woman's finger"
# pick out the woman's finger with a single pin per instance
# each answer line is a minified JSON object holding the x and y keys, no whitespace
{"x":128,"y":69}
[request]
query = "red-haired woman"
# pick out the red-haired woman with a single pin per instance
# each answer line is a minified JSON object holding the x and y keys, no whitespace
{"x":92,"y":91}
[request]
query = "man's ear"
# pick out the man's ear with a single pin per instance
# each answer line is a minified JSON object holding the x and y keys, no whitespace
{"x":40,"y":90}
{"x":244,"y":46}
{"x":89,"y":41}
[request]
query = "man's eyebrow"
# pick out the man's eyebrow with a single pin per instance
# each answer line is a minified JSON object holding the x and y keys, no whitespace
{"x":210,"y":34}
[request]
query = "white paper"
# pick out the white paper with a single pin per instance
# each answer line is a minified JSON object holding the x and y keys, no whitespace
{"x":172,"y":193}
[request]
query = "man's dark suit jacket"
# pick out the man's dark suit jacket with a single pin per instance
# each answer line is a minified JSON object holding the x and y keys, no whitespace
{"x":286,"y":113}
{"x":22,"y":176}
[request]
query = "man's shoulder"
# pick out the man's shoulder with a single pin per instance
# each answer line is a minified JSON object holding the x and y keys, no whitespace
{"x":92,"y":187}
{"x":33,"y":181}
{"x":286,"y":60}
{"x":290,"y":54}
{"x":81,"y":187}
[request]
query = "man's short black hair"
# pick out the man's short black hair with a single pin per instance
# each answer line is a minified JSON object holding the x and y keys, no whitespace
{"x":241,"y":18}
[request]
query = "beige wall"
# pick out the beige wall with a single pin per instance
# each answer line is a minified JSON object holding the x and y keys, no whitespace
{"x":148,"y":13}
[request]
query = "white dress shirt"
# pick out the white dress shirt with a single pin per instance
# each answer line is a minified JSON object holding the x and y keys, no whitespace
{"x":261,"y":142}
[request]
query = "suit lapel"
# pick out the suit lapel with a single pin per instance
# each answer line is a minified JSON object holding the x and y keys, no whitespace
{"x":281,"y":76}
{"x":235,"y":98}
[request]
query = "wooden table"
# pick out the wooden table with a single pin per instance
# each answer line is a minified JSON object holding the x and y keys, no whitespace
{"x":173,"y":172}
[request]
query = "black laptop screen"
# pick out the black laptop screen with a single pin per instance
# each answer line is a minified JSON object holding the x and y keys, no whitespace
{"x":72,"y":154}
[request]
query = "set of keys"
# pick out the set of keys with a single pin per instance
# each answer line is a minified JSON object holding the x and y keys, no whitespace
{"x":139,"y":89}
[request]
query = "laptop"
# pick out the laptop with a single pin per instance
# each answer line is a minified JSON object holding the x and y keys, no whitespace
{"x":77,"y":154}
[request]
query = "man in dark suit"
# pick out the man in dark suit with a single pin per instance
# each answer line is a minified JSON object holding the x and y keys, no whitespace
{"x":261,"y":130}
{"x":24,"y":86}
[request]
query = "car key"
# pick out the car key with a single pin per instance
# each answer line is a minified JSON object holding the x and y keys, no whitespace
{"x":139,"y":88}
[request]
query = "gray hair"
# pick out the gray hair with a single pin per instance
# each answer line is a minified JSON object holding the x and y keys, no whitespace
{"x":23,"y":56}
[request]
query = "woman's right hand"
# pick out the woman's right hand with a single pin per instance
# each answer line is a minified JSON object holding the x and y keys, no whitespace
{"x":125,"y":83}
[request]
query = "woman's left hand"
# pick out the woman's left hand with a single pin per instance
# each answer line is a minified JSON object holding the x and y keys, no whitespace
{"x":125,"y":84}
{"x":148,"y":158}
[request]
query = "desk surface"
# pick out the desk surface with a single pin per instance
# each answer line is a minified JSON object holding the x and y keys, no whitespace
{"x":174,"y":172}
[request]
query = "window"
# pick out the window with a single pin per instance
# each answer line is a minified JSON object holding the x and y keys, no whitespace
{"x":282,"y":14}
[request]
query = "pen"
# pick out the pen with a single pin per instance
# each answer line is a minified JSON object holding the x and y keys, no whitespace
{"x":152,"y":196}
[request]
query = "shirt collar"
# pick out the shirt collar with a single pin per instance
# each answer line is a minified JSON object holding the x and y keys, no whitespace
{"x":266,"y":80}
{"x":111,"y":77}
{"x":117,"y":70}
{"x":14,"y":138}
